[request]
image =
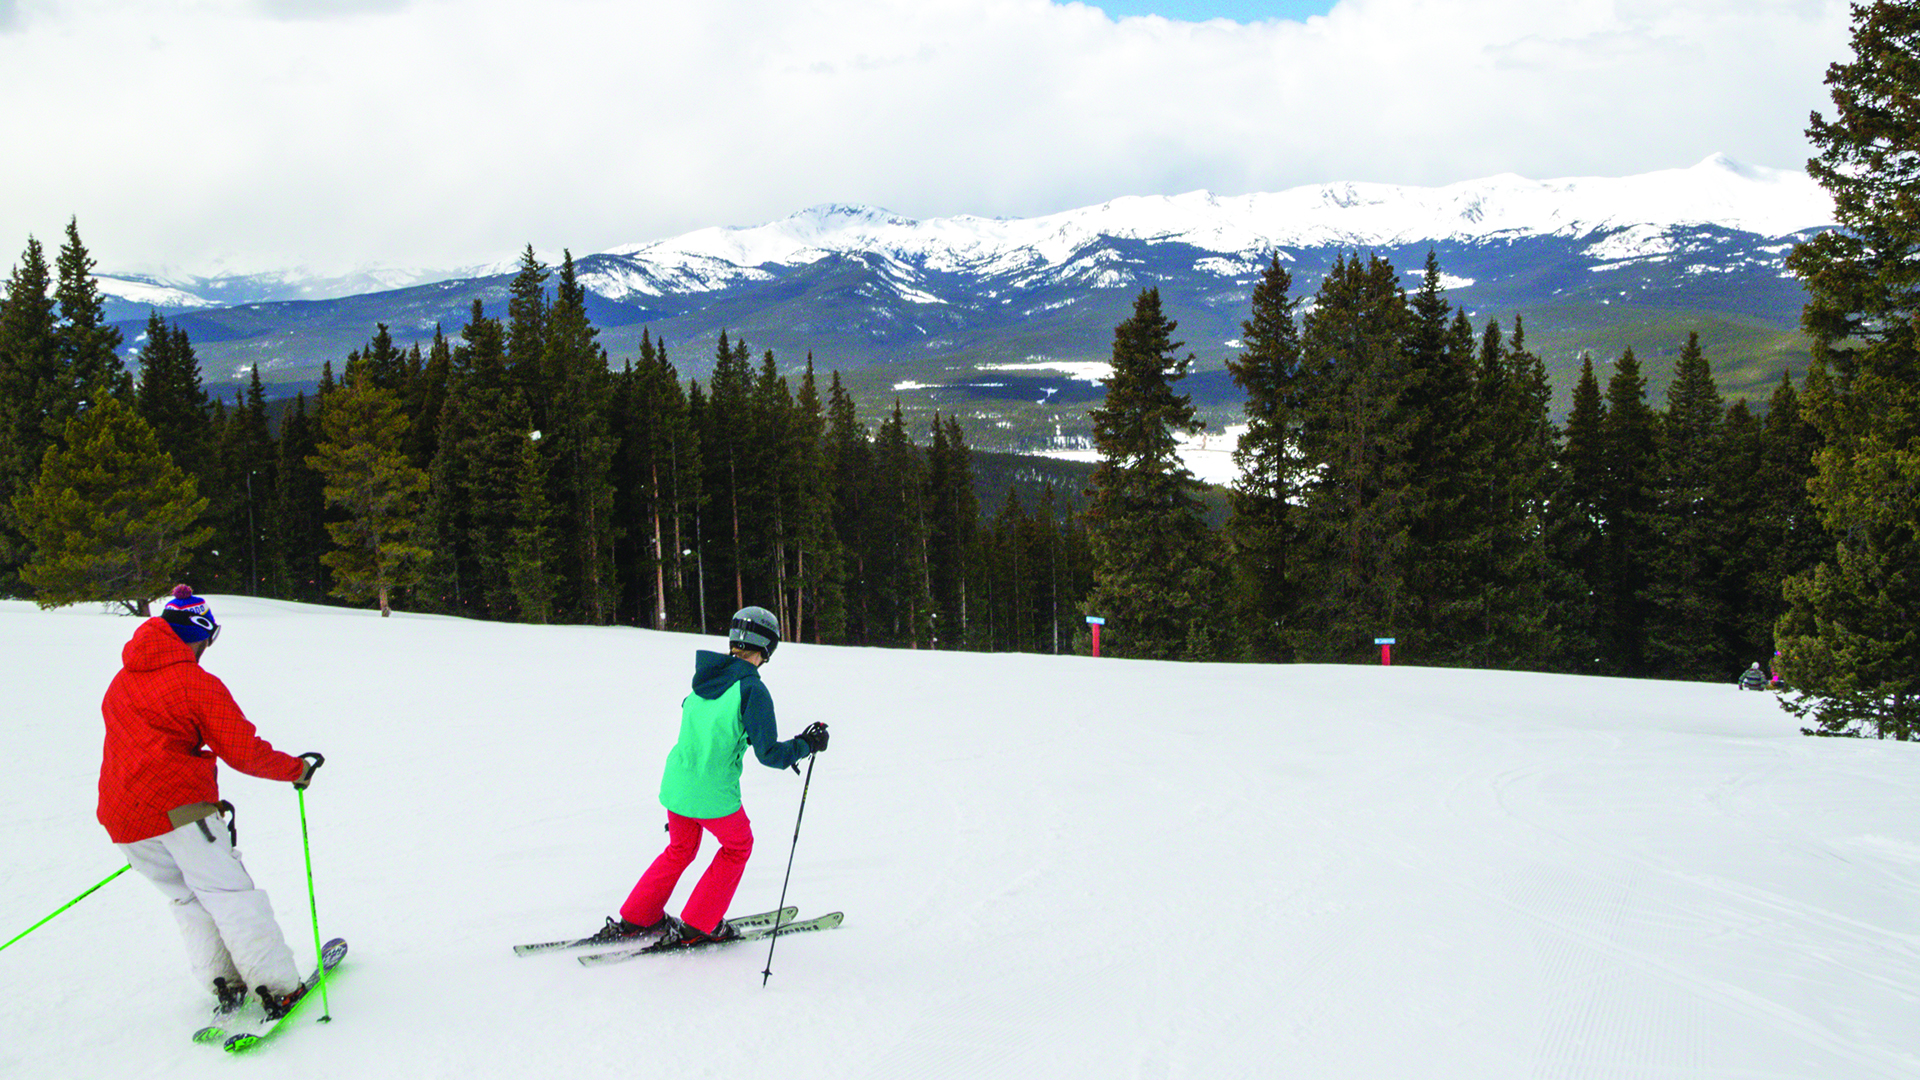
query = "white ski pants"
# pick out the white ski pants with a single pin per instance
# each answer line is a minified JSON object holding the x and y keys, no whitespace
{"x":227,"y":924}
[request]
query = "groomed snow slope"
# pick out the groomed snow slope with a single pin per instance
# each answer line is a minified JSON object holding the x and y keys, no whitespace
{"x":1054,"y":867}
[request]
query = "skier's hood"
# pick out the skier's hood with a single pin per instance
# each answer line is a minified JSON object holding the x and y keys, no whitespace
{"x":714,"y":672}
{"x":154,"y":645}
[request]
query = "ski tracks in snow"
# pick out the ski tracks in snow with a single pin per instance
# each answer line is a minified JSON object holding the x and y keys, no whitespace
{"x":1649,"y":967}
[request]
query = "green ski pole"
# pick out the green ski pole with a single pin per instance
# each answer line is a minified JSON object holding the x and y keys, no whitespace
{"x":313,"y":906}
{"x":67,"y":905}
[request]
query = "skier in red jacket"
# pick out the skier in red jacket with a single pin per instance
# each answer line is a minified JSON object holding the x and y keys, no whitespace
{"x":167,"y":719}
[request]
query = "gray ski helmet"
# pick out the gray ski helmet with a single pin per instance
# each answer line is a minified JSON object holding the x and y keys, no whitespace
{"x":754,"y":627}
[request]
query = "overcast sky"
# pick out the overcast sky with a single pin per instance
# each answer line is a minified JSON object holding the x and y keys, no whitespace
{"x":331,"y":134}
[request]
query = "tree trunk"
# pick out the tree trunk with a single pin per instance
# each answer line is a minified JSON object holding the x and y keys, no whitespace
{"x":659,"y":559}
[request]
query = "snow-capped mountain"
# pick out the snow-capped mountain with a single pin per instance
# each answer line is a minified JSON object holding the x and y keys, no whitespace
{"x":1241,"y":230}
{"x":171,"y":290}
{"x":1592,"y":264}
{"x":1630,"y":217}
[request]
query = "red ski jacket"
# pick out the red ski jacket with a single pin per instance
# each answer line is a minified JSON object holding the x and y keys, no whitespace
{"x":167,"y":719}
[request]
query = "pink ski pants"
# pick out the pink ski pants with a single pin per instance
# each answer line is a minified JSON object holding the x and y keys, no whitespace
{"x":707,"y":905}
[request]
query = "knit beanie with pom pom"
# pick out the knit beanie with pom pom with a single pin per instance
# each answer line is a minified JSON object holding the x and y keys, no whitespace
{"x":189,"y":616}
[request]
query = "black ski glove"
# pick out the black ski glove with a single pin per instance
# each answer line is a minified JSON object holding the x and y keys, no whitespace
{"x":815,"y":736}
{"x":314,"y":761}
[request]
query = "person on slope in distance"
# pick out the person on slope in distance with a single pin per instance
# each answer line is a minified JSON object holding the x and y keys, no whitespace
{"x":728,"y":710}
{"x":167,"y":719}
{"x":1753,"y":678}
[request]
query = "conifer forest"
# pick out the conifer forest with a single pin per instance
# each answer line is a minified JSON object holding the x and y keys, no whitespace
{"x":510,"y":471}
{"x":1400,"y":477}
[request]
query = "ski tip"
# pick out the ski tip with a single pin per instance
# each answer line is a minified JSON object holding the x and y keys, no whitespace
{"x":210,"y":1035}
{"x":241,"y":1043}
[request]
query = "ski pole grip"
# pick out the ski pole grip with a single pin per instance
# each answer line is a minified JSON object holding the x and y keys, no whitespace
{"x":314,"y":761}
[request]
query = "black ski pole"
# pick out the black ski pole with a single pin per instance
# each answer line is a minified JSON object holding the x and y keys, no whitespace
{"x":774,"y":939}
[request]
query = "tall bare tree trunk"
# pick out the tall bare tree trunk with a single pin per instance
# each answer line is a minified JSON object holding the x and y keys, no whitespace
{"x":659,"y":559}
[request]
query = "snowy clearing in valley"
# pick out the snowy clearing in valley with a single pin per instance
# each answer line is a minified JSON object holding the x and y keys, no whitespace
{"x":1051,"y":866}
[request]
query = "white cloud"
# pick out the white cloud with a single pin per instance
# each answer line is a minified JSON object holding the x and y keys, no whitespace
{"x":445,"y":132}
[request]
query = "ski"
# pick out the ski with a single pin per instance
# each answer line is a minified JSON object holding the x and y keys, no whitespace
{"x":822,"y":922}
{"x":330,"y":956}
{"x":742,"y":922}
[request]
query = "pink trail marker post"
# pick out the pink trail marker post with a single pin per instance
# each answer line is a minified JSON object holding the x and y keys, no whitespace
{"x":1096,"y":622}
{"x":1386,"y":650}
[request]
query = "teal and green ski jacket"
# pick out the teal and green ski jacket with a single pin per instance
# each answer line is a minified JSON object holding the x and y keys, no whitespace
{"x":728,"y":710}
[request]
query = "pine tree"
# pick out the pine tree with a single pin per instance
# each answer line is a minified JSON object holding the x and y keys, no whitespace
{"x":526,"y":336}
{"x":1260,"y":531}
{"x":428,"y":399}
{"x":660,"y":491}
{"x":111,"y":517}
{"x":1795,"y":541}
{"x":363,"y":458}
{"x":89,"y":348}
{"x":1847,"y":643}
{"x":900,"y":601}
{"x":171,"y":398}
{"x":1154,"y":567}
{"x":1512,"y":573}
{"x":1687,"y":619}
{"x":1455,"y":415}
{"x":30,"y":383}
{"x":530,"y":553}
{"x":770,"y":491}
{"x":1747,"y":500}
{"x":1355,"y":432}
{"x":1575,"y":525}
{"x":953,"y":521}
{"x":580,"y":448}
{"x":726,"y":442}
{"x":298,"y":521}
{"x":698,"y":413}
{"x":386,"y":363}
{"x":849,"y":470}
{"x":1630,"y":433}
{"x":474,"y":478}
{"x":259,"y":464}
{"x":1036,"y":565}
{"x":820,"y":594}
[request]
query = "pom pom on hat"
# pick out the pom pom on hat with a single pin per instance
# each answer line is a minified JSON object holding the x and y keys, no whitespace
{"x":189,"y":616}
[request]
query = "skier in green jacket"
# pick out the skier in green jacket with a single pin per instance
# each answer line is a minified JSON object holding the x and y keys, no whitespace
{"x":728,"y":710}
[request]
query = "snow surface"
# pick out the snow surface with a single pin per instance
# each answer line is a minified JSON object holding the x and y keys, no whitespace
{"x":146,"y":292}
{"x":1057,"y":867}
{"x":1208,"y":455}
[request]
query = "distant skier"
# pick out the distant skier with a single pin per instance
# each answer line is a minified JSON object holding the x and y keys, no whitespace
{"x":728,"y":710}
{"x":1753,"y":678}
{"x":167,"y":719}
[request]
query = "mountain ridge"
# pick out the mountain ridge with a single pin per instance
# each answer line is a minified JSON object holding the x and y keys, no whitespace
{"x":914,"y":309}
{"x":1719,"y":190}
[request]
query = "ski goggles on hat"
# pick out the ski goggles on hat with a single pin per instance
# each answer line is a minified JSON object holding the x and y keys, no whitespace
{"x":192,"y":628}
